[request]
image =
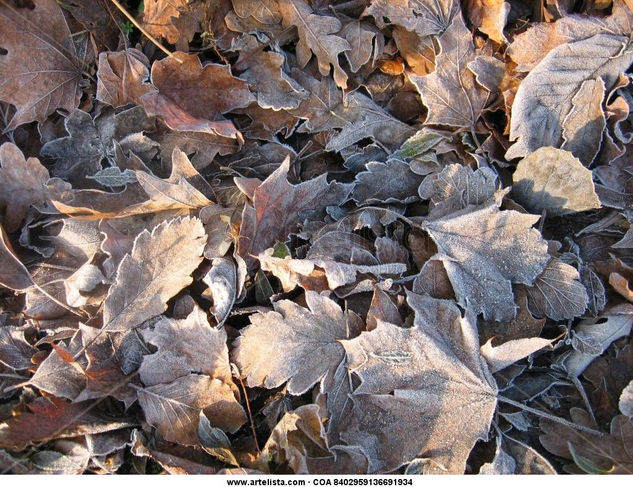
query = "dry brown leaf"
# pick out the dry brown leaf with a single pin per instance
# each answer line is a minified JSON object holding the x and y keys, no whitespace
{"x":174,"y":408}
{"x":489,"y":16}
{"x":40,"y":72}
{"x":122,"y":77}
{"x":554,"y":180}
{"x":22,"y":184}
{"x":264,"y":11}
{"x":317,"y":34}
{"x":158,"y":267}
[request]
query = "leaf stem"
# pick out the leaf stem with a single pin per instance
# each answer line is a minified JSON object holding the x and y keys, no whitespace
{"x":545,"y":415}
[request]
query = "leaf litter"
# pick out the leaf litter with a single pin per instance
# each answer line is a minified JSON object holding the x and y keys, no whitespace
{"x":293,"y":236}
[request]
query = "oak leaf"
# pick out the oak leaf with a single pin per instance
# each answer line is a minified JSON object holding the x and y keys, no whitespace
{"x":158,"y":267}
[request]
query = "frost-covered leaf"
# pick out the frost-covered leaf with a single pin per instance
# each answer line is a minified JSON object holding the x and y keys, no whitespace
{"x":15,"y":351}
{"x":122,"y":77}
{"x":294,"y":344}
{"x":39,"y":68}
{"x":390,"y":181}
{"x":364,"y":42}
{"x":174,"y":408}
{"x":317,"y":34}
{"x":489,"y":16}
{"x":545,"y":97}
{"x":22,"y":184}
{"x":265,"y":11}
{"x":484,"y":251}
{"x":113,"y":177}
{"x":279,"y":205}
{"x":457,"y":187}
{"x":504,"y":355}
{"x":451,"y":93}
{"x":13,"y":274}
{"x":382,"y":308}
{"x":225,"y":281}
{"x":183,"y":347}
{"x":424,"y":17}
{"x":557,"y":293}
{"x":593,"y":336}
{"x":158,"y":267}
{"x":554,"y":180}
{"x":425,"y":391}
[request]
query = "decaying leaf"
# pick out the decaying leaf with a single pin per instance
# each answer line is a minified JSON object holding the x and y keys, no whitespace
{"x":489,"y":16}
{"x":425,"y":17}
{"x":309,"y":337}
{"x":554,"y":180}
{"x":39,"y":68}
{"x":158,"y":267}
{"x":122,"y":77}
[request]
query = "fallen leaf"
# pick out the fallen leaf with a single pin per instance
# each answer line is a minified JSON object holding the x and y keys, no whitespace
{"x":317,"y":34}
{"x":424,"y":17}
{"x":122,"y":77}
{"x":489,"y":16}
{"x":424,"y":391}
{"x":279,"y":205}
{"x":225,"y":281}
{"x":554,"y":180}
{"x":484,"y":250}
{"x":13,"y":274}
{"x":451,"y":93}
{"x":174,"y":408}
{"x":390,"y":181}
{"x":265,"y":11}
{"x":158,"y":267}
{"x":537,"y":114}
{"x":309,"y":339}
{"x":502,"y":356}
{"x":40,"y":70}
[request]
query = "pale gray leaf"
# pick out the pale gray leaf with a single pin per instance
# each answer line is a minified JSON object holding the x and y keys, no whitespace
{"x":15,"y":351}
{"x":294,"y":344}
{"x":485,"y":250}
{"x":386,"y":182}
{"x":507,"y":353}
{"x":626,"y":401}
{"x":557,"y":293}
{"x":222,"y":282}
{"x":113,"y":177}
{"x":545,"y":96}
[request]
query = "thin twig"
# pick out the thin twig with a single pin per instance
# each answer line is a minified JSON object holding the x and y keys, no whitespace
{"x":143,"y":31}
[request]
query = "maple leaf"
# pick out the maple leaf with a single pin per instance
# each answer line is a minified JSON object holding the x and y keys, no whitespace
{"x":279,"y":205}
{"x":545,"y":97}
{"x":158,"y":267}
{"x":40,"y":71}
{"x":424,"y":391}
{"x":316,"y":35}
{"x":451,"y":92}
{"x":480,"y":249}
{"x":22,"y":184}
{"x":309,"y":337}
{"x":554,"y":180}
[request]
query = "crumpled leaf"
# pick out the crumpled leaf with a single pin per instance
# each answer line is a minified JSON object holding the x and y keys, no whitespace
{"x":184,"y":347}
{"x":626,"y":401}
{"x":425,"y":391}
{"x":451,"y":92}
{"x":15,"y":351}
{"x":317,"y":34}
{"x":593,"y":336}
{"x":40,"y":71}
{"x":279,"y":205}
{"x":484,"y":250}
{"x":538,"y":113}
{"x":265,"y":11}
{"x":22,"y":184}
{"x":174,"y":408}
{"x":226,"y":282}
{"x":489,"y":16}
{"x":158,"y":267}
{"x":514,"y":457}
{"x":554,"y":180}
{"x":122,"y":77}
{"x":160,"y":18}
{"x":557,"y":293}
{"x":364,"y":42}
{"x":293,"y":344}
